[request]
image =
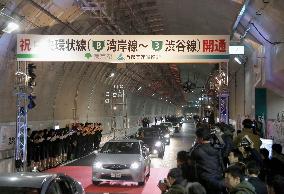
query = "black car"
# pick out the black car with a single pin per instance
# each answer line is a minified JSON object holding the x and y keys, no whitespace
{"x":154,"y":138}
{"x":165,"y":131}
{"x":38,"y":183}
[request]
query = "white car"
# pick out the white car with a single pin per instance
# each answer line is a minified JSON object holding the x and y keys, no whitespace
{"x":122,"y":160}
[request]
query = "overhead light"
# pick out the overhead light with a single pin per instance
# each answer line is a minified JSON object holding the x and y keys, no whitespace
{"x":114,"y":108}
{"x":199,"y":98}
{"x":153,"y":94}
{"x":139,"y":88}
{"x":182,"y":106}
{"x":166,"y":100}
{"x":238,"y":60}
{"x":111,"y":75}
{"x":161,"y":98}
{"x":208,"y":106}
{"x":12,"y":26}
{"x":242,"y":10}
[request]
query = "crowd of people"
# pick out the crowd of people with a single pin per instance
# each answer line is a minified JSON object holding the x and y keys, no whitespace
{"x":49,"y":148}
{"x":221,"y":163}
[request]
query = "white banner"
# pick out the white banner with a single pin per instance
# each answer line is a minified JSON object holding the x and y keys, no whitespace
{"x":7,"y":137}
{"x":124,"y":48}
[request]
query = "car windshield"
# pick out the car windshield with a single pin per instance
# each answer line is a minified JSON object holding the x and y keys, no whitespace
{"x":166,"y":124}
{"x":151,"y":134}
{"x":121,"y":148}
{"x":19,"y":190}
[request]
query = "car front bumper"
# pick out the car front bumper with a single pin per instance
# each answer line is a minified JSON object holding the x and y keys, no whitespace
{"x":131,"y":175}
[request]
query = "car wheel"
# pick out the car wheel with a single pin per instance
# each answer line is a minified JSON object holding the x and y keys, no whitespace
{"x":96,"y":182}
{"x":143,"y":182}
{"x":161,"y":154}
{"x":148,"y":172}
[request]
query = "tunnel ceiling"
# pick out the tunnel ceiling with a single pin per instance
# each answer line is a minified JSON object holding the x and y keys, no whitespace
{"x":131,"y":17}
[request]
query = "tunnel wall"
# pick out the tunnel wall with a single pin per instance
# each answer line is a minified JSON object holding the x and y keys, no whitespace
{"x":61,"y":88}
{"x":242,"y":88}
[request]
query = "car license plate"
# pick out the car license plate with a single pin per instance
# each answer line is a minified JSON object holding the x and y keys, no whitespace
{"x":115,"y":175}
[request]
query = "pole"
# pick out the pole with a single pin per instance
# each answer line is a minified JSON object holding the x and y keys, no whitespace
{"x":21,"y":117}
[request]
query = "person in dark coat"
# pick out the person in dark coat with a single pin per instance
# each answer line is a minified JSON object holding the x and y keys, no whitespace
{"x":174,"y":184}
{"x":207,"y":162}
{"x":195,"y":188}
{"x":253,"y":170}
{"x":182,"y":158}
{"x":236,"y":182}
{"x":277,"y":161}
{"x":247,"y":134}
{"x":277,"y":185}
{"x":265,"y":168}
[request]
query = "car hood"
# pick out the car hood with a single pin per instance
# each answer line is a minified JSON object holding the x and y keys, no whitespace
{"x":118,"y":158}
{"x":150,"y":141}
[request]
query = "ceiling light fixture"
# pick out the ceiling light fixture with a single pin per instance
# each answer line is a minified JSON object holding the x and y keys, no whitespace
{"x":111,"y":75}
{"x":11,"y":27}
{"x":139,"y":88}
{"x":238,"y":60}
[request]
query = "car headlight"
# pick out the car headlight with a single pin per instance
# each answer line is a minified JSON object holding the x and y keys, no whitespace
{"x":134,"y":165}
{"x":98,"y":165}
{"x":167,"y":136}
{"x":158,"y":144}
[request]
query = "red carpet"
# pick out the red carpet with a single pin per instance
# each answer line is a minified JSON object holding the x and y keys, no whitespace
{"x":83,"y":174}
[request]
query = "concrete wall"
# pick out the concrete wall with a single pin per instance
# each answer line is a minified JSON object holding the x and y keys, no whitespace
{"x":275,"y":117}
{"x":275,"y":104}
{"x":241,"y":87}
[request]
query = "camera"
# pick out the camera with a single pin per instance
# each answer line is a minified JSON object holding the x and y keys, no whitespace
{"x":216,"y":139}
{"x":163,"y":181}
{"x":246,"y":142}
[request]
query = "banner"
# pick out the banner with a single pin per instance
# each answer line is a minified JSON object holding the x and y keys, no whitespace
{"x":124,"y":48}
{"x":7,"y":137}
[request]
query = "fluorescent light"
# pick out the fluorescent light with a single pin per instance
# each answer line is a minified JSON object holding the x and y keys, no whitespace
{"x":56,"y":127}
{"x":153,"y":94}
{"x":112,"y":74}
{"x":238,"y":60}
{"x":12,"y":26}
{"x":139,"y":88}
{"x":242,"y":10}
{"x":236,"y":50}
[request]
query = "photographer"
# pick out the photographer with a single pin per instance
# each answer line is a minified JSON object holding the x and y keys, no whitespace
{"x":174,"y":183}
{"x":247,"y":132}
{"x":182,"y":163}
{"x":207,"y":162}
